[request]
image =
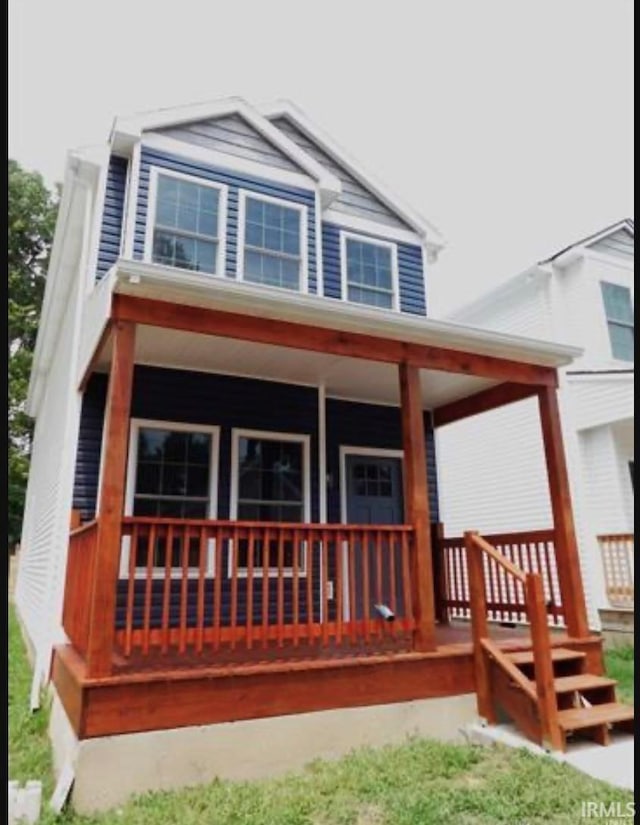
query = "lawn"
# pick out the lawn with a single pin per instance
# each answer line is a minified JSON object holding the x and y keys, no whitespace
{"x":418,"y":783}
{"x":619,"y":664}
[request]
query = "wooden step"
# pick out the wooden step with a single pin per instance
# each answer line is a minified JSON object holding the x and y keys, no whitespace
{"x":580,"y":682}
{"x":558,"y":654}
{"x":609,"y":713}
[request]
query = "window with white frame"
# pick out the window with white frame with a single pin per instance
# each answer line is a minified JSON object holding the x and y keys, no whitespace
{"x":369,"y":272}
{"x":273,"y":242}
{"x":270,"y":482}
{"x":186,"y":223}
{"x":619,"y":313}
{"x":172,"y":474}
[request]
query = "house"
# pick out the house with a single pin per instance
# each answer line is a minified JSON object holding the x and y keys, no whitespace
{"x":232,"y":559}
{"x":583,"y":296}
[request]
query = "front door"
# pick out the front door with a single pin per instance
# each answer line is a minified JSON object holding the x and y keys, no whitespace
{"x":373,"y":495}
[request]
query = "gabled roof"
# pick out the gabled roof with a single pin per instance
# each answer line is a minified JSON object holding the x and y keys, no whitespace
{"x":287,"y":109}
{"x":536,"y":272}
{"x":626,"y":224}
{"x":128,"y":130}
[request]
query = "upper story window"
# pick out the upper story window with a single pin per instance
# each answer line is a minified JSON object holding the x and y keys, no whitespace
{"x":369,"y":271}
{"x":619,"y":312}
{"x":186,"y":221}
{"x":272,"y":247}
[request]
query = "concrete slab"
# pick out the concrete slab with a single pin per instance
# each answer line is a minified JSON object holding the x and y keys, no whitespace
{"x":612,"y":764}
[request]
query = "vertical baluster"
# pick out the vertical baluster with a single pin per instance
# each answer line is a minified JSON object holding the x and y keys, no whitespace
{"x":266,"y":564}
{"x":166,"y":596}
{"x":203,"y":559}
{"x":339,"y":583}
{"x":500,"y":589}
{"x":366,"y":585}
{"x":456,"y":589}
{"x":379,"y":593}
{"x":351,"y":561}
{"x":220,"y":537}
{"x":308,"y":534}
{"x":249,"y":581}
{"x":234,"y":550}
{"x":296,"y":587}
{"x":133,"y":550}
{"x":519,"y":562}
{"x":184,"y":588}
{"x":489,"y":570}
{"x":148,"y":590}
{"x":393,"y":596}
{"x":280,"y":617}
{"x":549,"y":570}
{"x":325,"y":587}
{"x":406,"y":580}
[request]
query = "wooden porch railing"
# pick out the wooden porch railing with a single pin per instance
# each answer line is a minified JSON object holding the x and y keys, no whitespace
{"x":617,"y":562}
{"x":79,"y":578}
{"x":212,"y":585}
{"x":532,"y":551}
{"x":484,"y":650}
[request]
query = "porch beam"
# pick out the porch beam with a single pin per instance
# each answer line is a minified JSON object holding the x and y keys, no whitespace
{"x":319,"y":339}
{"x":482,"y":401}
{"x":567,"y":558}
{"x":416,"y":504}
{"x":111,"y":504}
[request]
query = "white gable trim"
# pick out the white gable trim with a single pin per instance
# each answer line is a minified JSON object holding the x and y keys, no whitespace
{"x":128,"y":130}
{"x":285,"y":108}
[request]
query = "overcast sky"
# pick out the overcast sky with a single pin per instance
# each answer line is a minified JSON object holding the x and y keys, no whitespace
{"x":507,"y":123}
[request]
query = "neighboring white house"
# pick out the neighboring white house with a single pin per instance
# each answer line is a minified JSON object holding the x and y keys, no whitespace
{"x":491,"y":467}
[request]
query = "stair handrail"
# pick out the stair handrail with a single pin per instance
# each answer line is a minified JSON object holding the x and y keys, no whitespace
{"x":535,"y":606}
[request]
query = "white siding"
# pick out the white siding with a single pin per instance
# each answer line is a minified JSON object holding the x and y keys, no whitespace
{"x":598,"y":400}
{"x":620,"y":244}
{"x":491,"y":472}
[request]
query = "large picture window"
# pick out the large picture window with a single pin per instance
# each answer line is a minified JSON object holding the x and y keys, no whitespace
{"x":619,"y":312}
{"x":369,"y":272}
{"x":273,"y":242}
{"x":186,"y":224}
{"x":172,"y":474}
{"x":270,"y":482}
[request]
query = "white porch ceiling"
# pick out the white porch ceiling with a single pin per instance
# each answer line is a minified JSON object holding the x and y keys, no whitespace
{"x":350,"y":378}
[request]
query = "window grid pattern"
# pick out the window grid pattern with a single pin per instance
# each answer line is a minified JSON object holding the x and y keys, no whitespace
{"x":186,"y":225}
{"x":372,"y":480}
{"x":272,"y":249}
{"x":369,"y":273}
{"x":619,"y":313}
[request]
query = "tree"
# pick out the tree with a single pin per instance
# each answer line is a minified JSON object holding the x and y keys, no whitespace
{"x":31,"y":222}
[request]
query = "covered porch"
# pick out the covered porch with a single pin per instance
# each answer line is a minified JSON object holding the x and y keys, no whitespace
{"x":175,"y":621}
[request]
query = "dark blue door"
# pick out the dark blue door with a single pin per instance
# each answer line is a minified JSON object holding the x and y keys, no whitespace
{"x":374,"y":496}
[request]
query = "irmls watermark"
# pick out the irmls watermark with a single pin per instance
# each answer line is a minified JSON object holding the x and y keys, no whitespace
{"x":607,"y":812}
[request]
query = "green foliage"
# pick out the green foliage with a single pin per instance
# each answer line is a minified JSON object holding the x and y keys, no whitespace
{"x":31,"y":222}
{"x":619,"y":665}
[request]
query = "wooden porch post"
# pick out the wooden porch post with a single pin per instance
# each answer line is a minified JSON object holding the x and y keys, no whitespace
{"x":570,"y":580}
{"x":416,"y":505}
{"x":111,"y":504}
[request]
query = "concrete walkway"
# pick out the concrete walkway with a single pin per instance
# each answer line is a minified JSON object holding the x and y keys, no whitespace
{"x":612,"y":764}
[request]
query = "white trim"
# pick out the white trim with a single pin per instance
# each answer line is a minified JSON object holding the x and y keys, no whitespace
{"x":195,"y":289}
{"x":96,"y":229}
{"x":130,"y":129}
{"x":152,"y":204}
{"x":355,"y":223}
{"x":322,"y":453}
{"x":373,"y":452}
{"x":132,"y":461}
{"x":233,"y":164}
{"x":132,"y":203}
{"x":285,"y":108}
{"x":243,"y":194}
{"x":269,"y":435}
{"x":610,"y":258}
{"x":395,"y":278}
{"x":319,"y":264}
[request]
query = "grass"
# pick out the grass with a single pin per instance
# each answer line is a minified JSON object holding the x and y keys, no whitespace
{"x":417,"y":783}
{"x":619,"y":665}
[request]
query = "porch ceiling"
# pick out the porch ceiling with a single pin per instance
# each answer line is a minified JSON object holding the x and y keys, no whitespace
{"x":352,"y":378}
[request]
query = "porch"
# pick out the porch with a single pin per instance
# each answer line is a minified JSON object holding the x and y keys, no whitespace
{"x":176,"y":621}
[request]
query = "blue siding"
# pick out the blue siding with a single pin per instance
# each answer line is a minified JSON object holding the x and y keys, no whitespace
{"x":235,"y":181}
{"x":85,"y":484}
{"x":352,"y":424}
{"x":112,"y":215}
{"x":410,"y":269}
